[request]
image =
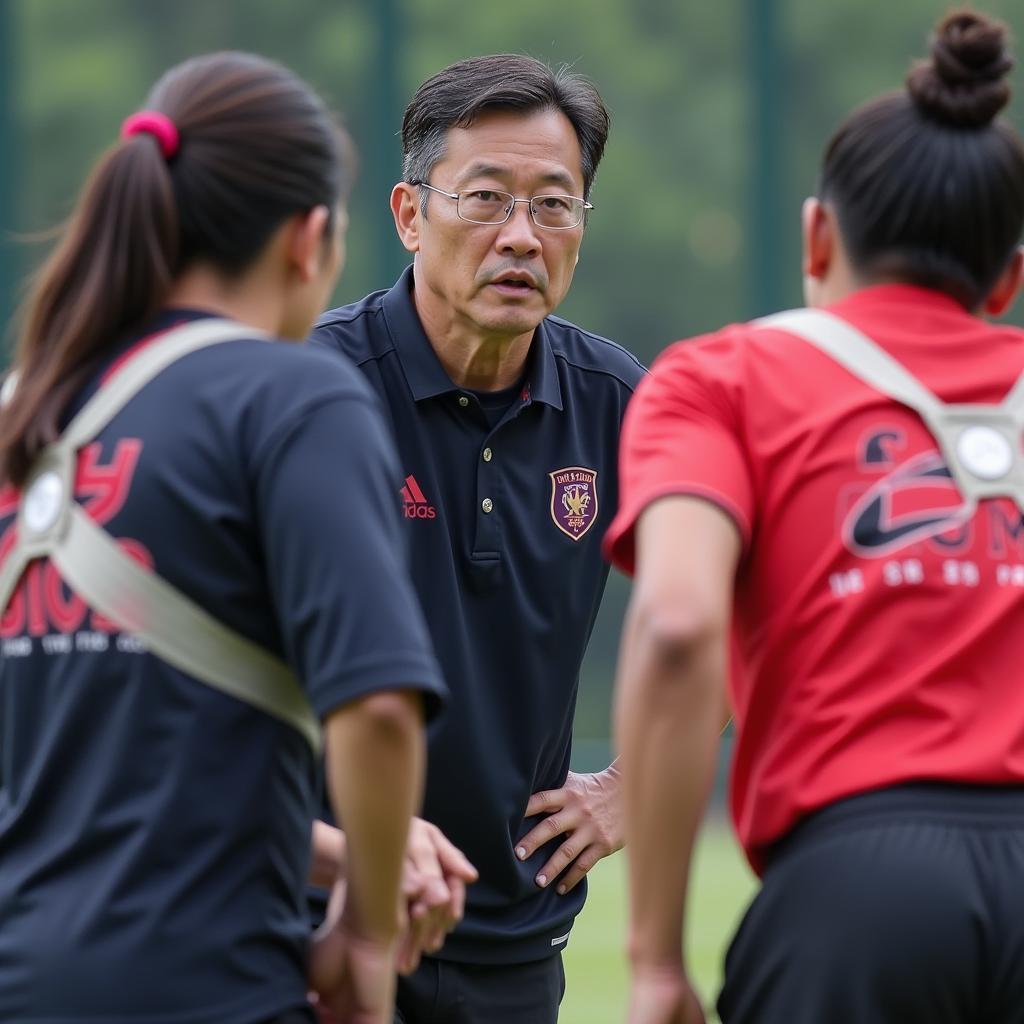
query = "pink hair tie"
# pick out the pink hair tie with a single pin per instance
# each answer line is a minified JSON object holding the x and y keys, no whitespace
{"x":152,"y":122}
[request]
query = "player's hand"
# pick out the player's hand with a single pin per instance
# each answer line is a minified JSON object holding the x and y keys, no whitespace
{"x":350,"y":973}
{"x":663,"y":995}
{"x":587,"y":810}
{"x":434,"y":885}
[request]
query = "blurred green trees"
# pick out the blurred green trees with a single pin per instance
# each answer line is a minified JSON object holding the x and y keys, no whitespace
{"x":667,"y":252}
{"x":666,"y":249}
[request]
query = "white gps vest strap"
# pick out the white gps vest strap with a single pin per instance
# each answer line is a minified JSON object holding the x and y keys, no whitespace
{"x":51,"y":524}
{"x":981,"y":444}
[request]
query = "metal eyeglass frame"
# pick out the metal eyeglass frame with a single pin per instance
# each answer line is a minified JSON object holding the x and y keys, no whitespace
{"x":584,"y":209}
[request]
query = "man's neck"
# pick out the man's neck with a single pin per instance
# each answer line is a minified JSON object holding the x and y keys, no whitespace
{"x":474,"y":360}
{"x":483,"y":363}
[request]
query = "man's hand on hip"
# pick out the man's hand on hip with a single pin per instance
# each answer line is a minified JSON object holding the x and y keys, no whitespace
{"x":587,"y":810}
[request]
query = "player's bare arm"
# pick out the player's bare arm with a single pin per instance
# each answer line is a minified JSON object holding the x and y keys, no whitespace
{"x":354,"y":953}
{"x":667,"y":722}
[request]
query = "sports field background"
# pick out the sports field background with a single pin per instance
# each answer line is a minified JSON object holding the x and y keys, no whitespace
{"x":595,"y":965}
{"x":719,"y":115}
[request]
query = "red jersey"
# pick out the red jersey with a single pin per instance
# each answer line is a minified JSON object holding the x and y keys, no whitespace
{"x":877,"y":628}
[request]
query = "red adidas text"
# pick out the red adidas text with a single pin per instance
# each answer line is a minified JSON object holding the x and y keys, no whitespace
{"x":414,"y":501}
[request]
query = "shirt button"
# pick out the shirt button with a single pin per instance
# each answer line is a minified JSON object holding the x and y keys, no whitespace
{"x":463,"y":401}
{"x":488,"y":455}
{"x":487,"y":504}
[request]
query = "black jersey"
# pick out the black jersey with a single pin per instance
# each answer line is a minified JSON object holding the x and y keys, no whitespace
{"x":504,"y":511}
{"x":154,"y":832}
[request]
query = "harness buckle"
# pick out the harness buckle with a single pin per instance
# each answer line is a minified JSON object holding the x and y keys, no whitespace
{"x":46,"y":502}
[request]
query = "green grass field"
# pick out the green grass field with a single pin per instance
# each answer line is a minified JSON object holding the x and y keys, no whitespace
{"x":595,"y":965}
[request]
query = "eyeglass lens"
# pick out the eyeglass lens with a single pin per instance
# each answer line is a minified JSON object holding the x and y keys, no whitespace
{"x":487,"y":206}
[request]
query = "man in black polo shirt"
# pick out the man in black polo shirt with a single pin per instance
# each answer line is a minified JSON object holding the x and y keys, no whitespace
{"x":507,"y":421}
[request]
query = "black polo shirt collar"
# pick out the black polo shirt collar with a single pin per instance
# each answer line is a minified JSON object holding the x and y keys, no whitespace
{"x":424,"y":373}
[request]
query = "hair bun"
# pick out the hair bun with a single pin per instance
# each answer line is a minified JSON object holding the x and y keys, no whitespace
{"x":964,"y":83}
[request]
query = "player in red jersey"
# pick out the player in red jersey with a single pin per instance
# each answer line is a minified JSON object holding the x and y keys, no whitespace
{"x":842,"y":488}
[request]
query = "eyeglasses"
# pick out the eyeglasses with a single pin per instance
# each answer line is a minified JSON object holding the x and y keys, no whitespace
{"x":490,"y":206}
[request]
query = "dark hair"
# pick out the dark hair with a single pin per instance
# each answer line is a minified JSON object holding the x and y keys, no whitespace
{"x":256,"y":146}
{"x":927,"y":186}
{"x":457,"y":95}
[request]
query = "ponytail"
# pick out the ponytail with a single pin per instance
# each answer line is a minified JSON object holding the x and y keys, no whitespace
{"x":112,"y":269}
{"x":230,"y":146}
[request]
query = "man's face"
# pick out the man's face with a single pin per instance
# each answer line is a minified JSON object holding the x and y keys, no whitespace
{"x":499,"y":278}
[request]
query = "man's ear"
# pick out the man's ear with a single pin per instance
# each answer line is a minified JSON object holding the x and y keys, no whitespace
{"x":1005,"y":290}
{"x":405,"y":208}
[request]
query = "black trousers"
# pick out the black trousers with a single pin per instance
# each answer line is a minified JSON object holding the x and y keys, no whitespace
{"x":903,"y":906}
{"x":444,"y":992}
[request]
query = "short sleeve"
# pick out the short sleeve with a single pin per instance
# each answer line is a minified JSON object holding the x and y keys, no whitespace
{"x":681,"y":437}
{"x":327,"y":497}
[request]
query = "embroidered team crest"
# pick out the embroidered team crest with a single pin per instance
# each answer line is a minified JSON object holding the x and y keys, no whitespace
{"x":574,"y":500}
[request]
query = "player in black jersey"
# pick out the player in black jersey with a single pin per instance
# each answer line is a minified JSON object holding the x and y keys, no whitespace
{"x":155,"y":814}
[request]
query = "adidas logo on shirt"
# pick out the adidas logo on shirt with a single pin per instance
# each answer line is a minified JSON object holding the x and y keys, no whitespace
{"x":414,"y":501}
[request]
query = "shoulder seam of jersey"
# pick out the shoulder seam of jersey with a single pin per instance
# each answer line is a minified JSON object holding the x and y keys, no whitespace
{"x":349,"y":312}
{"x":369,"y":357}
{"x":603,"y":370}
{"x":568,"y":326}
